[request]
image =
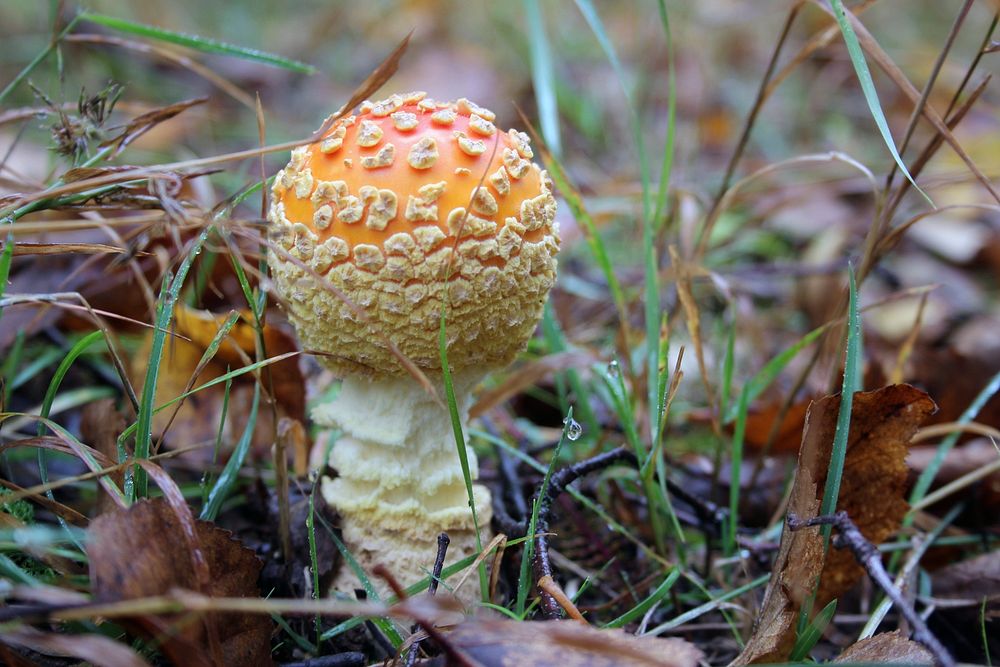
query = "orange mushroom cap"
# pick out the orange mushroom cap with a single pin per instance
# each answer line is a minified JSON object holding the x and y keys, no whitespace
{"x":406,"y":204}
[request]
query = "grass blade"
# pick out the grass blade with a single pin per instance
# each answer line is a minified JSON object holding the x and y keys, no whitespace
{"x":668,"y":147}
{"x":542,"y":76}
{"x":772,"y":369}
{"x":590,"y":14}
{"x":463,"y":455}
{"x":857,"y":56}
{"x":647,"y":604}
{"x":229,"y":475}
{"x":812,"y":632}
{"x":851,"y":384}
{"x":36,"y":61}
{"x":196,"y":42}
{"x":5,"y":260}
{"x":926,"y":478}
{"x":742,"y":407}
{"x":164,"y":315}
{"x":524,"y":579}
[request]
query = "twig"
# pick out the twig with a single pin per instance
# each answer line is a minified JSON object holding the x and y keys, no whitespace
{"x":557,"y":484}
{"x":870,"y":559}
{"x":456,"y":657}
{"x":443,"y":542}
{"x":347,"y":659}
{"x":555,"y":591}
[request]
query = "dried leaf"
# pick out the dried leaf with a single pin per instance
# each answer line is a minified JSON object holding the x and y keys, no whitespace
{"x":143,"y":123}
{"x":887,"y":648}
{"x":760,"y":422}
{"x":378,"y":77}
{"x":969,"y":592}
{"x":100,"y":425}
{"x":94,"y":648}
{"x":871,"y":492}
{"x":31,"y":248}
{"x":526,"y":376}
{"x":142,"y":551}
{"x":197,"y":419}
{"x":974,"y":580}
{"x":83,"y":173}
{"x":566,"y":644}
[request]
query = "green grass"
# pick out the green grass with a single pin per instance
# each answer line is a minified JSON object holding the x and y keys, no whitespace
{"x":203,"y":44}
{"x":632,"y":198}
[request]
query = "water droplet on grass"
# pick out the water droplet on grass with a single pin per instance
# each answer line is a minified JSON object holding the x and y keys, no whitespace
{"x":573,"y":428}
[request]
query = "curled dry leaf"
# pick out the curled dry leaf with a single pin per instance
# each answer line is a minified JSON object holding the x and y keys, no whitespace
{"x":871,"y":492}
{"x":887,"y":648}
{"x":198,"y":418}
{"x":143,"y":123}
{"x":566,"y":644}
{"x":142,"y":552}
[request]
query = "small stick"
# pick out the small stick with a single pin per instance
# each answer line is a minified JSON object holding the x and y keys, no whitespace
{"x":442,"y":551}
{"x":870,"y":559}
{"x":551,"y":608}
{"x":555,"y":591}
{"x":443,"y":542}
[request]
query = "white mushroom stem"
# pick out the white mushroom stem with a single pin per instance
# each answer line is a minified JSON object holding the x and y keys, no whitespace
{"x":400,"y":480}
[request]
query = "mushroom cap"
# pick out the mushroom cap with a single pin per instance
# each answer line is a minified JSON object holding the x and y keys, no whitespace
{"x":402,"y":207}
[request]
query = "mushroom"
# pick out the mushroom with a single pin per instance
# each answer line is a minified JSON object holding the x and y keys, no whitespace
{"x":407,"y":206}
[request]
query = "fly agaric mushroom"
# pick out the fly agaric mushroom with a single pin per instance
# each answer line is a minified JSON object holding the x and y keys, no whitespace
{"x":407,"y":206}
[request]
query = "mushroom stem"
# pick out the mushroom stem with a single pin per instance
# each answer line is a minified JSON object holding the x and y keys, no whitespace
{"x":400,"y":480}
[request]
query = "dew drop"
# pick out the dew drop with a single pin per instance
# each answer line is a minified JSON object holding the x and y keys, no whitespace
{"x":613,"y":368}
{"x":573,"y":428}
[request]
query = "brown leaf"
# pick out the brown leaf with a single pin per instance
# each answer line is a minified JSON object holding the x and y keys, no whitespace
{"x":197,"y":419}
{"x":760,"y":422}
{"x":526,"y":376}
{"x":566,"y":644}
{"x":964,"y":588}
{"x":871,"y":492}
{"x":32,"y":248}
{"x":100,"y":425}
{"x":142,"y":552}
{"x":378,"y":77}
{"x":93,"y":648}
{"x":145,"y":122}
{"x":888,"y":647}
{"x":873,"y":489}
{"x":973,"y":579}
{"x":238,"y":348}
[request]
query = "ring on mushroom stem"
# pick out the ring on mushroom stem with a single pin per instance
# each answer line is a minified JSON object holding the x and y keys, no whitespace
{"x":407,"y":206}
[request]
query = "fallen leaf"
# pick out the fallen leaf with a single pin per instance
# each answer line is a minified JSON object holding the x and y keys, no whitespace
{"x":873,"y":488}
{"x":564,"y":643}
{"x":93,"y":648}
{"x":143,"y":123}
{"x":198,"y":417}
{"x":955,"y":377}
{"x":887,"y":648}
{"x":871,"y":492}
{"x":761,"y":420}
{"x":526,"y":376}
{"x":100,"y":426}
{"x":142,"y":552}
{"x":973,"y":579}
{"x":965,"y":587}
